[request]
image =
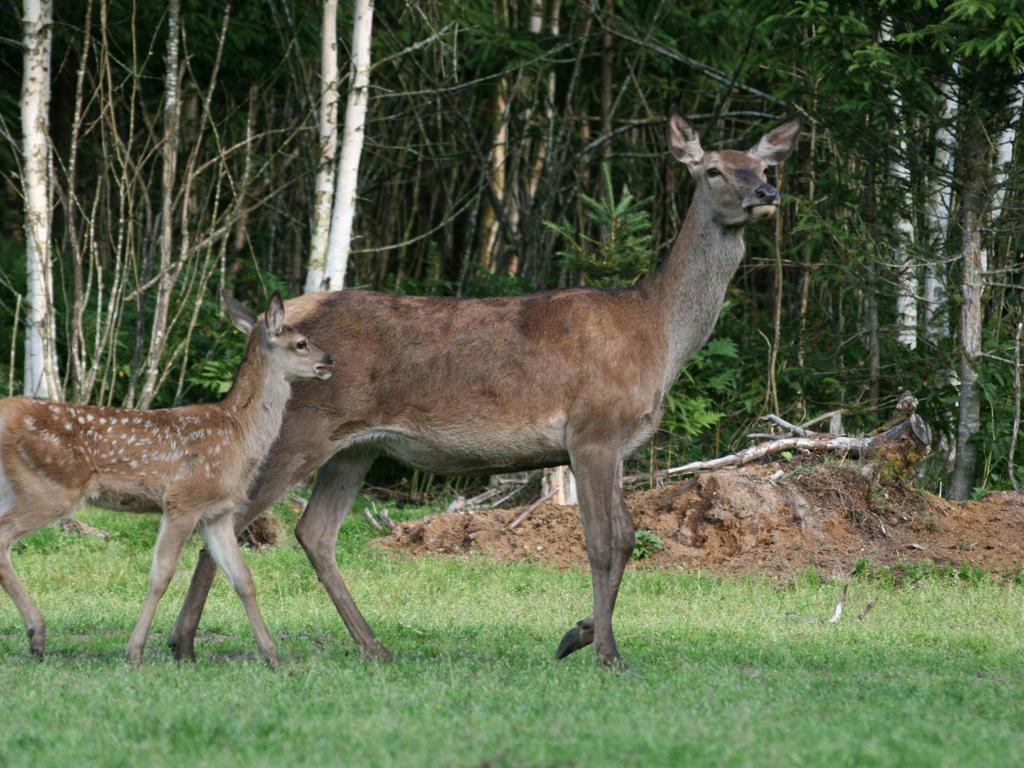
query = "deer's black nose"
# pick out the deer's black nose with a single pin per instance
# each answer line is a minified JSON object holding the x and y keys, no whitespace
{"x":328,"y":360}
{"x":766,"y":193}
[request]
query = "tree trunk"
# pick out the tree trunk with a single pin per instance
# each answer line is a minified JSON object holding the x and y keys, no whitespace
{"x":906,"y":270}
{"x":975,"y":168}
{"x":323,"y":189}
{"x":169,"y":153}
{"x":41,"y":372}
{"x":340,"y":240}
{"x":939,"y":204}
{"x":606,"y":80}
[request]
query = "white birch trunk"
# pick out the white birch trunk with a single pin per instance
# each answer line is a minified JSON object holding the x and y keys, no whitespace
{"x":168,"y":275}
{"x":939,"y":204}
{"x":323,"y":194}
{"x":1004,"y":154}
{"x":906,"y":278}
{"x":340,"y":239}
{"x":41,"y":373}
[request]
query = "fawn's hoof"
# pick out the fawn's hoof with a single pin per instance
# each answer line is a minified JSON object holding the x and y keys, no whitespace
{"x":36,"y":641}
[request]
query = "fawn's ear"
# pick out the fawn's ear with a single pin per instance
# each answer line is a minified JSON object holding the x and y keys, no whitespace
{"x":776,"y":145}
{"x":274,"y":316}
{"x":683,"y":141}
{"x":241,"y":318}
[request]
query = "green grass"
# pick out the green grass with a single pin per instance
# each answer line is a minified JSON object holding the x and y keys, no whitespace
{"x":737,"y":671}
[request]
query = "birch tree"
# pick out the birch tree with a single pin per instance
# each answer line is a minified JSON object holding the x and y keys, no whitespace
{"x":940,"y":201}
{"x":41,"y":372}
{"x":168,"y":272}
{"x":323,"y":190}
{"x":907,"y":291}
{"x":339,"y":240}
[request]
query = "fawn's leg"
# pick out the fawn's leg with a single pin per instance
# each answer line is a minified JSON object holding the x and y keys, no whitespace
{"x":25,"y":516}
{"x":175,"y":528}
{"x":34,"y":625}
{"x":183,"y":636}
{"x":220,"y":539}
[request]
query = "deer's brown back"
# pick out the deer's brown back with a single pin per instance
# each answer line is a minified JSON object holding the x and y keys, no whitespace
{"x":486,"y":382}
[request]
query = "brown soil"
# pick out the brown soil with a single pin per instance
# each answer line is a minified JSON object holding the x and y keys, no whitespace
{"x":827,"y":516}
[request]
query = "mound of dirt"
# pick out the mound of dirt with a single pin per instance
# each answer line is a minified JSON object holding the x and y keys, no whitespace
{"x":757,"y":518}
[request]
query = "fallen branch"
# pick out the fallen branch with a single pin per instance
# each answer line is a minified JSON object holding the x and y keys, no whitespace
{"x":839,"y":606}
{"x":526,"y":512}
{"x":913,"y":428}
{"x":867,"y":609}
{"x":378,"y":518}
{"x":793,"y":429}
{"x":73,"y":525}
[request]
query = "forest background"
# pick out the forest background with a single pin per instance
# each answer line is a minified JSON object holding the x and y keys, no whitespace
{"x":517,"y":146}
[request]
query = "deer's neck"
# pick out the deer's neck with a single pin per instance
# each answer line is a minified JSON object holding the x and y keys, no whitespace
{"x":690,"y":284}
{"x":256,"y":402}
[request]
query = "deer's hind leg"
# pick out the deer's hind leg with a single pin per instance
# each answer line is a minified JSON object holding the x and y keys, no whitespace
{"x":175,"y":528}
{"x":24,"y":516}
{"x":220,"y":538}
{"x":337,"y":483}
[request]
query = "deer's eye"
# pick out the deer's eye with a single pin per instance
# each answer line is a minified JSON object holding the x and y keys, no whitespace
{"x":301,"y":344}
{"x":713,"y":172}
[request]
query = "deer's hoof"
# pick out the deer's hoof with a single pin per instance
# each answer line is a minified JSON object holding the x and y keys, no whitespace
{"x":613,"y":664}
{"x":578,"y":637}
{"x":182,"y":651}
{"x":377,"y":652}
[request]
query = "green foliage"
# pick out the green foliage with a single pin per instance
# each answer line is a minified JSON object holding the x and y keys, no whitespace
{"x":647,"y":543}
{"x":706,"y":379}
{"x":622,"y":253}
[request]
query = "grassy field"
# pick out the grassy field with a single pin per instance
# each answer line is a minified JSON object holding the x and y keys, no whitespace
{"x":724,"y":671}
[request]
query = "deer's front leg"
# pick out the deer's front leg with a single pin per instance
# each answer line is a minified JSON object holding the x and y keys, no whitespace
{"x":609,"y":540}
{"x":337,"y":484}
{"x":175,"y":528}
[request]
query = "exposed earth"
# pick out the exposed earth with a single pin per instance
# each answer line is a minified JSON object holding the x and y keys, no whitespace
{"x":774,"y":518}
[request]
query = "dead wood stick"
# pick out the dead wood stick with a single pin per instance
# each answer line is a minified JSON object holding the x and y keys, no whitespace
{"x":526,"y":512}
{"x":1016,"y":404}
{"x":839,"y":606}
{"x":506,"y":497}
{"x":74,"y":525}
{"x":461,"y":502}
{"x":371,"y":518}
{"x":914,"y":427}
{"x":825,"y":417}
{"x":385,"y":518}
{"x":793,"y":429}
{"x":867,"y":609}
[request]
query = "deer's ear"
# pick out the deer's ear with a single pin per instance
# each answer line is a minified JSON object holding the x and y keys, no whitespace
{"x":776,"y":145}
{"x":241,"y":318}
{"x":683,"y":142}
{"x":274,"y":316}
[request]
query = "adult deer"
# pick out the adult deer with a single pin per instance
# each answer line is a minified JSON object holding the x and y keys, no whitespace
{"x":196,"y":462}
{"x":492,"y":385}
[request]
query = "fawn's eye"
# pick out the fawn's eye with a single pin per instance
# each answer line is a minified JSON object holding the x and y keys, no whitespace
{"x":301,"y":344}
{"x":713,"y":172}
